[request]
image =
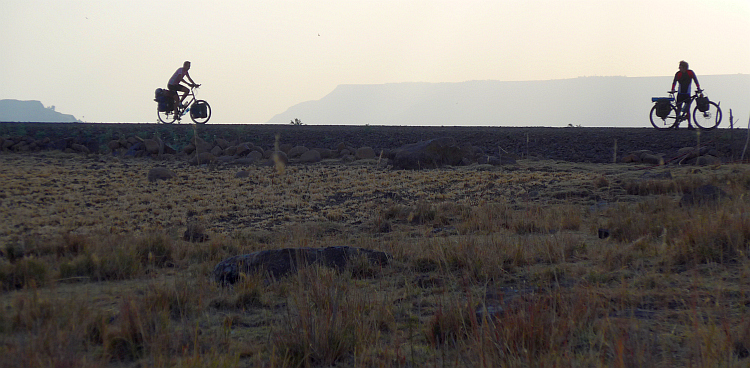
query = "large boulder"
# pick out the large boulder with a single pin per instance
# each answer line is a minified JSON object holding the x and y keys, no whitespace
{"x":365,"y":153}
{"x":280,"y":262}
{"x":152,"y":146}
{"x":430,"y":154}
{"x":297,"y":151}
{"x":310,"y":156}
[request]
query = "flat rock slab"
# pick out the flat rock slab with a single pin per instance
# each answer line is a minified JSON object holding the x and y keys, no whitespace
{"x":280,"y":262}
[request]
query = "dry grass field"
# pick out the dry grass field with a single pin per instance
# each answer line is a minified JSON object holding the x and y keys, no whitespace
{"x":492,"y":266}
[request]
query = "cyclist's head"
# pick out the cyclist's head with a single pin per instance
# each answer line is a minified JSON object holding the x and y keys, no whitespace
{"x":186,"y":65}
{"x":683,"y":64}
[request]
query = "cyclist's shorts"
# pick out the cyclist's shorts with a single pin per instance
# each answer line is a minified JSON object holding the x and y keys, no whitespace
{"x":176,"y":87}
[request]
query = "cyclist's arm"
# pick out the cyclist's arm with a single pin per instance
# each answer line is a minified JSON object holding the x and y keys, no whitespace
{"x":695,"y":78}
{"x":193,"y":83}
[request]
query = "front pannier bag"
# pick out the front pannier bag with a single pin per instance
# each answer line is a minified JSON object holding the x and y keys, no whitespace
{"x":702,"y":103}
{"x":199,"y":110}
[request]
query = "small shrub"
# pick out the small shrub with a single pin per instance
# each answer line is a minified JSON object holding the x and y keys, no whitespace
{"x":27,"y":272}
{"x":449,"y":325}
{"x":154,"y":249}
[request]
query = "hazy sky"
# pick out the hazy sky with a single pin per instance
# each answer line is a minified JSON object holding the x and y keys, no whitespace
{"x":101,"y":60}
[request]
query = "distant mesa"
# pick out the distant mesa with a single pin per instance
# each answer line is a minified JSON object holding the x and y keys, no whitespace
{"x":32,"y":111}
{"x":584,"y":101}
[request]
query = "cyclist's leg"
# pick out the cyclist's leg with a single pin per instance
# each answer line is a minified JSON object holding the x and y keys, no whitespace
{"x":185,"y":91}
{"x":681,"y":103}
{"x":175,"y":98}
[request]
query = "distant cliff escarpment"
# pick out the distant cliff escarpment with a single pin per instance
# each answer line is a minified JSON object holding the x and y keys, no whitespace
{"x":585,"y":101}
{"x":32,"y":111}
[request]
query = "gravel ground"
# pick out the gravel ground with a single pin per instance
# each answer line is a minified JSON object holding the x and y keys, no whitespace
{"x":575,"y":144}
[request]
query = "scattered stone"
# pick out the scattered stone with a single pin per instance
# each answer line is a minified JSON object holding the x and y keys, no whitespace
{"x":324,"y":153}
{"x":242,"y":174}
{"x":280,"y":262}
{"x":297,"y":151}
{"x":658,"y":175}
{"x":279,"y":157}
{"x":76,"y":147}
{"x":244,"y":161}
{"x":195,"y":233}
{"x":652,"y":159}
{"x":603,"y":233}
{"x":429,"y":154}
{"x":203,"y":158}
{"x":242,"y":150}
{"x":160,"y":173}
{"x":222,"y":143}
{"x":152,"y":146}
{"x":365,"y":153}
{"x":255,"y":155}
{"x":310,"y":156}
{"x":704,"y":194}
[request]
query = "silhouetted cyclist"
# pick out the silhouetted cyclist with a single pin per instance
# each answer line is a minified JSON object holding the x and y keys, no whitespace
{"x":685,"y":78}
{"x":175,"y":85}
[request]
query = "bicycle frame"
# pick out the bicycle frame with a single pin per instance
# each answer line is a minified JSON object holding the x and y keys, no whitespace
{"x":189,"y":99}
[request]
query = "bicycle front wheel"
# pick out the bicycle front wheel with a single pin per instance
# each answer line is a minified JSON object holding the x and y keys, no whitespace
{"x":202,"y":116}
{"x":666,"y":122}
{"x":166,"y":117}
{"x":708,"y":119}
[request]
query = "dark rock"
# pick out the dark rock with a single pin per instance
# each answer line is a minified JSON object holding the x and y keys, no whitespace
{"x":429,"y":154}
{"x":279,"y":157}
{"x":310,"y":156}
{"x":113,"y":145}
{"x":659,"y":175}
{"x":152,"y":146}
{"x":280,"y":262}
{"x":194,"y":233}
{"x":222,"y":143}
{"x":203,"y":158}
{"x":603,"y":233}
{"x":296,"y":151}
{"x":365,"y":153}
{"x":324,"y":152}
{"x":242,"y":174}
{"x":285,"y":147}
{"x":703,"y":194}
{"x":160,"y":173}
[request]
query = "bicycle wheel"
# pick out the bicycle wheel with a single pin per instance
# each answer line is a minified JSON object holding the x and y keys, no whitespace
{"x":203,"y":118}
{"x":666,"y":122}
{"x":166,"y":117}
{"x":709,"y":119}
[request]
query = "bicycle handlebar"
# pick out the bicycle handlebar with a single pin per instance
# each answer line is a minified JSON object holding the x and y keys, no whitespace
{"x":696,"y":91}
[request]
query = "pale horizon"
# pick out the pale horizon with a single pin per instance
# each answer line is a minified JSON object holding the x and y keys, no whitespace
{"x":101,"y":60}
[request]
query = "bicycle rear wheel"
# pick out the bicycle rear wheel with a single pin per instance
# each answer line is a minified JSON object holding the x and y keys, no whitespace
{"x":709,"y":119}
{"x":166,"y":117}
{"x":666,"y":122}
{"x":202,"y":118}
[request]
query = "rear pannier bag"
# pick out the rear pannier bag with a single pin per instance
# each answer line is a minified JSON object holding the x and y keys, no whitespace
{"x":702,"y":103}
{"x":663,"y":108}
{"x":164,"y":100}
{"x":199,"y":110}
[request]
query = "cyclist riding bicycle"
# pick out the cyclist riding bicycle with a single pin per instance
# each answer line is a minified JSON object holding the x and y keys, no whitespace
{"x":685,"y":78}
{"x":175,"y":86}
